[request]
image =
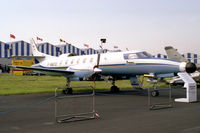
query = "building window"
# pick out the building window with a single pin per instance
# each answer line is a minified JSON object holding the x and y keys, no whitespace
{"x":195,"y":61}
{"x":195,"y":55}
{"x":189,"y":55}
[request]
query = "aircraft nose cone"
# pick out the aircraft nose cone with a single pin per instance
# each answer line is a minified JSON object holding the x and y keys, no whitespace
{"x":190,"y":67}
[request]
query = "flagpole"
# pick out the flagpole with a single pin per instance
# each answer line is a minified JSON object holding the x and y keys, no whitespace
{"x":37,"y":40}
{"x":11,"y":37}
{"x":10,"y":45}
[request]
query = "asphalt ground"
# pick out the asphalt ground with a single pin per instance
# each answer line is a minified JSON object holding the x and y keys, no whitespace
{"x":125,"y":112}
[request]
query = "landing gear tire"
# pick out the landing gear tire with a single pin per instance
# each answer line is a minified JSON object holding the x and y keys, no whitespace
{"x":114,"y":89}
{"x":68,"y":91}
{"x":155,"y":93}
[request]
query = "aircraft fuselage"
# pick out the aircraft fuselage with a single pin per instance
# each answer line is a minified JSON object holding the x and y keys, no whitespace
{"x":118,"y":63}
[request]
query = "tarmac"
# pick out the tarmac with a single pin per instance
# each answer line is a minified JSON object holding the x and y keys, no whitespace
{"x":126,"y":112}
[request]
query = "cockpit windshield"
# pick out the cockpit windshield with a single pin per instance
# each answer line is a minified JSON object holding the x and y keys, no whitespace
{"x":137,"y":55}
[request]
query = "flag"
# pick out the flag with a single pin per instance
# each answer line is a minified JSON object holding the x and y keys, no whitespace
{"x":39,"y":39}
{"x":115,"y":46}
{"x":12,"y":36}
{"x":62,"y":40}
{"x":86,"y":45}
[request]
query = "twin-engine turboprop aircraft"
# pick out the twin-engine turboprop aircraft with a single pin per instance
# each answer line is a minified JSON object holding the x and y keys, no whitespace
{"x":129,"y":64}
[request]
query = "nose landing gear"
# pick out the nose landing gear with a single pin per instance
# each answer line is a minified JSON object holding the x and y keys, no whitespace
{"x":68,"y":90}
{"x":114,"y":88}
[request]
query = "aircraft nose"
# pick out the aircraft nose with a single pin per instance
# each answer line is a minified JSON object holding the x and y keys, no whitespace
{"x":190,"y":67}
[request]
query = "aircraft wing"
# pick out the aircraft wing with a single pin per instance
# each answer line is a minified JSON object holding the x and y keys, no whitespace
{"x":46,"y":70}
{"x":28,"y":56}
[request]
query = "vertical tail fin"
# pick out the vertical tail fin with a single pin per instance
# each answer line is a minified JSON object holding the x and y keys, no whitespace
{"x":35,"y":51}
{"x":174,"y":54}
{"x":39,"y":55}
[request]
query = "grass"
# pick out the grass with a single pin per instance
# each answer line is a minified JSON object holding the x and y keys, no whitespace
{"x":10,"y":84}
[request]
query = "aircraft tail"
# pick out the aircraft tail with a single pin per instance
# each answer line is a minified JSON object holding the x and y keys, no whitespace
{"x":37,"y":54}
{"x":174,"y":54}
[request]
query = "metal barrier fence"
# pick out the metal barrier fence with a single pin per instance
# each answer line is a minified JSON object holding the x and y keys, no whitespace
{"x":76,"y":107}
{"x":164,"y":102}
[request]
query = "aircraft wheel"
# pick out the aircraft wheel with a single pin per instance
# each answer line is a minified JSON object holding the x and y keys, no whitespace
{"x":155,"y":93}
{"x":114,"y":89}
{"x":68,"y":91}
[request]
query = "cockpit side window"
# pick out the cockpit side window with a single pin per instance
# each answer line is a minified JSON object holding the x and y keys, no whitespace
{"x":137,"y":55}
{"x":144,"y":55}
{"x":147,"y":54}
{"x":130,"y":56}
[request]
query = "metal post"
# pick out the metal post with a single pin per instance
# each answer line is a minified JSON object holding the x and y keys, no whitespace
{"x":161,"y":105}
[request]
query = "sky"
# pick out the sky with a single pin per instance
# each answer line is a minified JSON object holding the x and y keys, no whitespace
{"x":134,"y":24}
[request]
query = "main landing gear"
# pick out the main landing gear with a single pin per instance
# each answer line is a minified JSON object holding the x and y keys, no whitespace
{"x":68,"y":90}
{"x":114,"y":88}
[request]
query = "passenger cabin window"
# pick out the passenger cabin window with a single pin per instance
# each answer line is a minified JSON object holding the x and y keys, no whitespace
{"x":66,"y":62}
{"x":72,"y":61}
{"x":84,"y":60}
{"x":91,"y":60}
{"x":60,"y":63}
{"x":78,"y":61}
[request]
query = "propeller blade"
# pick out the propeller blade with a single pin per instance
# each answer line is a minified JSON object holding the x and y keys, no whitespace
{"x":97,"y":70}
{"x":98,"y":59}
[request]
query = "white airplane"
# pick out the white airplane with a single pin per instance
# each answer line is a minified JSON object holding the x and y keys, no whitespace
{"x":129,"y":63}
